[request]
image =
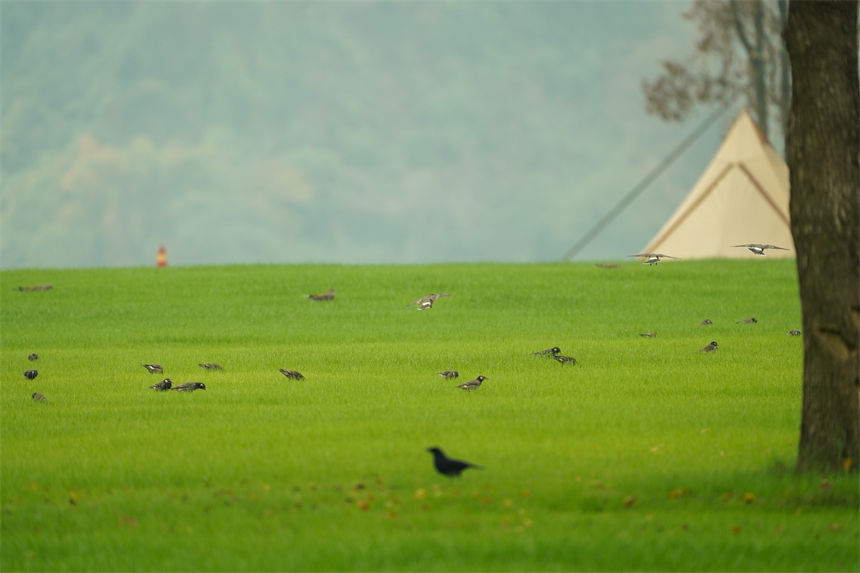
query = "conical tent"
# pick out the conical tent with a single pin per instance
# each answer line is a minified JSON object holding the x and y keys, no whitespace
{"x":742,"y":197}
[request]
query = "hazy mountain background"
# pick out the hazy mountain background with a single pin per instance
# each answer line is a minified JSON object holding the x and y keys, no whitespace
{"x":354,"y":132}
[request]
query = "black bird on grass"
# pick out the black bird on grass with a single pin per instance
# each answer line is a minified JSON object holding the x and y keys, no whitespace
{"x":189,"y":387}
{"x":750,"y":320}
{"x":30,"y":374}
{"x":706,"y":322}
{"x":210,"y":366}
{"x":449,"y":466}
{"x":472,"y":384}
{"x":794,"y":332}
{"x":39,"y":397}
{"x":710,"y":347}
{"x":561,"y":359}
{"x":163,"y":385}
{"x":292,"y":374}
{"x":153,"y":368}
{"x":548,"y":353}
{"x":448,"y":374}
{"x":32,"y":357}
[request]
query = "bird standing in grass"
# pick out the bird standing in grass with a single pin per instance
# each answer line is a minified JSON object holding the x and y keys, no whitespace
{"x":292,"y":374}
{"x":750,"y":320}
{"x":449,"y":466}
{"x":472,"y":384}
{"x":758,"y":248}
{"x":153,"y":368}
{"x":33,"y":357}
{"x":794,"y":332}
{"x":163,"y":385}
{"x":323,"y":296}
{"x":426,"y":302}
{"x":648,"y":334}
{"x":210,"y":366}
{"x":706,"y":322}
{"x":39,"y":397}
{"x":189,"y":387}
{"x":561,"y":359}
{"x":710,"y":347}
{"x":30,"y":374}
{"x":548,"y":353}
{"x":448,"y":374}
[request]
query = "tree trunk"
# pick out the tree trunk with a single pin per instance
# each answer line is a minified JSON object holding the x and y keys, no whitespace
{"x":823,"y":150}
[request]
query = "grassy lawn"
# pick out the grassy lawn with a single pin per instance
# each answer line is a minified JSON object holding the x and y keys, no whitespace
{"x":646,"y":455}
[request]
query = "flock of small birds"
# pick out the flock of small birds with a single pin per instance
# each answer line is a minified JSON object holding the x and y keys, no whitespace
{"x":443,"y":464}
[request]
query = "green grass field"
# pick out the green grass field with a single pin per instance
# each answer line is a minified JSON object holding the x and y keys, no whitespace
{"x":646,"y":455}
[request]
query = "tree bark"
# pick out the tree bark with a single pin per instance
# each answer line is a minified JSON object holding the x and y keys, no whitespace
{"x":823,"y":151}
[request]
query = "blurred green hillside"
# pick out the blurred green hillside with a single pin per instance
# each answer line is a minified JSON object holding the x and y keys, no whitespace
{"x":353,"y":132}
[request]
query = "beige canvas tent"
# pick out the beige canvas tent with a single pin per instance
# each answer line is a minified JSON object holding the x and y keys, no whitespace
{"x":742,"y":197}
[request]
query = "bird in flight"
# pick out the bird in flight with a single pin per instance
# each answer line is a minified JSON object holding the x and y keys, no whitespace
{"x":426,"y":302}
{"x":163,"y":385}
{"x":323,"y":296}
{"x":758,"y":248}
{"x":472,"y":384}
{"x":448,"y":374}
{"x":652,"y":258}
{"x":153,"y":368}
{"x":710,"y":347}
{"x":189,"y":387}
{"x":750,"y":320}
{"x":449,"y":466}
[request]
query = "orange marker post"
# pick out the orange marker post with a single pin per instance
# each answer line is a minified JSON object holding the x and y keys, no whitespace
{"x":161,"y":257}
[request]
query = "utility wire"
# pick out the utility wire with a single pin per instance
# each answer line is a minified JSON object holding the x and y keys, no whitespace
{"x":643,"y":184}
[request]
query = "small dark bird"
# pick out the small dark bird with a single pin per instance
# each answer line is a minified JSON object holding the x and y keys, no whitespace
{"x":426,"y":302}
{"x":39,"y":397}
{"x":652,"y":258}
{"x":794,"y":332}
{"x":33,"y":357}
{"x":710,"y":347}
{"x":706,"y":322}
{"x":472,"y":384}
{"x":750,"y":320}
{"x":448,"y":374}
{"x":163,"y":385}
{"x":30,"y":374}
{"x":647,"y":334}
{"x":210,"y":366}
{"x":153,"y":368}
{"x":565,"y":359}
{"x":292,"y":374}
{"x":323,"y":296}
{"x":548,"y":353}
{"x":449,"y":466}
{"x":758,"y":248}
{"x":189,"y":387}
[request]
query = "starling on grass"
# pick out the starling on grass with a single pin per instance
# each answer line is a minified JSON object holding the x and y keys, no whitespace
{"x":565,"y":359}
{"x":189,"y":387}
{"x":758,"y":248}
{"x":163,"y":385}
{"x":549,"y":352}
{"x":33,"y":357}
{"x":210,"y":366}
{"x":426,"y":302}
{"x":750,"y":320}
{"x":710,"y":347}
{"x":794,"y":332}
{"x":39,"y":397}
{"x":448,"y":374}
{"x":323,"y":296}
{"x":706,"y":322}
{"x":30,"y":374}
{"x":472,"y":384}
{"x":153,"y":368}
{"x":292,"y":374}
{"x":449,"y":466}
